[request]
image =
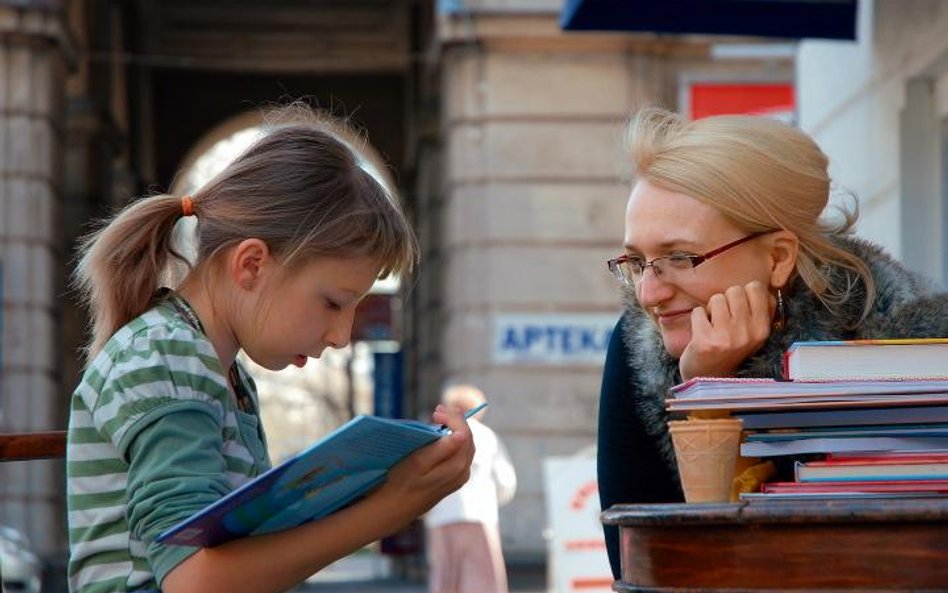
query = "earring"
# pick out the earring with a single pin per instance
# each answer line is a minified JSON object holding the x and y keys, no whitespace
{"x":780,"y":321}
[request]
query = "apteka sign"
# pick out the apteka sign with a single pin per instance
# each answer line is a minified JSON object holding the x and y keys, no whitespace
{"x":552,"y":338}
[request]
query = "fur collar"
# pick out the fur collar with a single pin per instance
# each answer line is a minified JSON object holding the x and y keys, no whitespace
{"x":906,"y":306}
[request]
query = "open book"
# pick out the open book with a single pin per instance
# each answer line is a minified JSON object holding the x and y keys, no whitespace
{"x":331,"y":474}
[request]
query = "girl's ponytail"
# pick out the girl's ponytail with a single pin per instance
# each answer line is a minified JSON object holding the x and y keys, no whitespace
{"x":299,"y":188}
{"x":122,"y":264}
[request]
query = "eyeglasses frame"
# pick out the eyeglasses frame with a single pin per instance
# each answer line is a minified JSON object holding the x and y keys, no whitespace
{"x":696,"y":260}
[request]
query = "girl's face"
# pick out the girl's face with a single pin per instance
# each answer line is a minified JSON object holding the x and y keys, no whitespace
{"x":658,"y":223}
{"x":296,"y":315}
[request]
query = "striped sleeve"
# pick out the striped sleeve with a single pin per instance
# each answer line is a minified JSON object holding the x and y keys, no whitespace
{"x":153,"y":437}
{"x":153,"y":371}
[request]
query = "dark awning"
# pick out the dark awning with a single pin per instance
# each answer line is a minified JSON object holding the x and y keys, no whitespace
{"x":793,"y":19}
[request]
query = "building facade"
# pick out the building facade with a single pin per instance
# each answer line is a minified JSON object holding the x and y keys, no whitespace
{"x":533,"y":182}
{"x":879,"y":108}
{"x":504,"y":134}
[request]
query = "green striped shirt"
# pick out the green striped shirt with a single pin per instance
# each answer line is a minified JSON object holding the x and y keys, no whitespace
{"x":154,"y":436}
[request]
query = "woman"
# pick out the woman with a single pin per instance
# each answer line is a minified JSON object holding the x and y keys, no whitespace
{"x":726,"y":263}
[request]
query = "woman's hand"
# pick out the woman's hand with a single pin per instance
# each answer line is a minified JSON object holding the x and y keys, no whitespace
{"x":431,"y":473}
{"x":730,"y":328}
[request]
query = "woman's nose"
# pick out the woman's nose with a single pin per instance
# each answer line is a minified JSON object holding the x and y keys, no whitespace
{"x":652,"y":289}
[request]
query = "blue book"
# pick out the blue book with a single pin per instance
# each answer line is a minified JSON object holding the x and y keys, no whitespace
{"x":843,"y":445}
{"x":843,"y":417}
{"x":330,"y":475}
{"x":879,"y":430}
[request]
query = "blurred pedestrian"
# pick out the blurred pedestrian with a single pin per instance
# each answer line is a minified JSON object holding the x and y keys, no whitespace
{"x":463,"y":540}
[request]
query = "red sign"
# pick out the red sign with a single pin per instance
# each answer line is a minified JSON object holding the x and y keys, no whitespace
{"x":764,"y":98}
{"x":375,"y":318}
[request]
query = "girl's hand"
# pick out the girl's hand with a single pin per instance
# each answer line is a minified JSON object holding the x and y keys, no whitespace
{"x":733,"y":326}
{"x":426,"y":476}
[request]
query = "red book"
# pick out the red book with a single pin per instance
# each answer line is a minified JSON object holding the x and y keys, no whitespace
{"x":856,"y":486}
{"x":883,"y":457}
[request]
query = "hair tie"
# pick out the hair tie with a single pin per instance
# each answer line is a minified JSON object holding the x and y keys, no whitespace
{"x":187,"y":206}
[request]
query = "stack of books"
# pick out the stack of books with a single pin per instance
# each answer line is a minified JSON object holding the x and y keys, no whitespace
{"x":885,"y":474}
{"x":869,"y":418}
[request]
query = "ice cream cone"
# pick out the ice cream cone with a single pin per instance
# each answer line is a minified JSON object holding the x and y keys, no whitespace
{"x":706,"y":451}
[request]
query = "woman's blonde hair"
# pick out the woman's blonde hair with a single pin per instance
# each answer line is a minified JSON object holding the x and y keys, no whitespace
{"x":761,"y":174}
{"x":299,"y":188}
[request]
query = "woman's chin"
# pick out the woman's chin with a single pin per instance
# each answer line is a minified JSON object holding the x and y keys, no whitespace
{"x":676,"y":342}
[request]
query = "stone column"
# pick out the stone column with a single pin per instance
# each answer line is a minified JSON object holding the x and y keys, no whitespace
{"x":34,"y":46}
{"x":534,"y":194}
{"x":535,"y":185}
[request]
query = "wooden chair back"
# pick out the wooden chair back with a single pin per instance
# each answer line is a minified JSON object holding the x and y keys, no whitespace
{"x":32,"y":445}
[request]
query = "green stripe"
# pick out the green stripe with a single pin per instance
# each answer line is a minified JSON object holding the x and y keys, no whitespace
{"x":116,"y":585}
{"x":94,"y":379}
{"x":85,"y":436}
{"x":132,"y":411}
{"x":85,"y":502}
{"x":96,"y":467}
{"x":94,"y":532}
{"x":141,"y":564}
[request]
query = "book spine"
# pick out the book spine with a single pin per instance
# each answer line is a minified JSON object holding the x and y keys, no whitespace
{"x":861,"y":461}
{"x":883,"y":457}
{"x":816,"y":472}
{"x":838,"y":445}
{"x":856,"y":486}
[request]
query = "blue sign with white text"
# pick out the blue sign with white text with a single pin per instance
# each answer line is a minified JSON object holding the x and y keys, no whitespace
{"x":572,"y":338}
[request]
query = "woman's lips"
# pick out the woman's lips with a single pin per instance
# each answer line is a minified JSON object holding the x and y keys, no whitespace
{"x":673,"y":316}
{"x":300,"y":361}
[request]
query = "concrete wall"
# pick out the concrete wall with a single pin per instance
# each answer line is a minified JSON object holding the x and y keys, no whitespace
{"x":533,"y":206}
{"x":877,"y":107}
{"x":534,"y":191}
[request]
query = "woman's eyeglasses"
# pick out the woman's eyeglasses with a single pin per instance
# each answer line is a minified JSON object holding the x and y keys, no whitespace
{"x":629,"y":269}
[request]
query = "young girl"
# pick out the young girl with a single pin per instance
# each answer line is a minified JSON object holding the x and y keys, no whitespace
{"x":165,"y":421}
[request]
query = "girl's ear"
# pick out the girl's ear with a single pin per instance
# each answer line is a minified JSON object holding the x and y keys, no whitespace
{"x":784,"y":248}
{"x":245,"y":266}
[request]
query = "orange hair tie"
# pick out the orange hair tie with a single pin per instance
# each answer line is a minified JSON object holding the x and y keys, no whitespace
{"x":187,"y":206}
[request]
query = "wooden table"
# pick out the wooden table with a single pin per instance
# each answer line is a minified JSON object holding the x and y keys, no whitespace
{"x":868,"y":545}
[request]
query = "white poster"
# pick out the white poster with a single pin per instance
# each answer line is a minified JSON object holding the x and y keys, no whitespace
{"x":577,"y":548}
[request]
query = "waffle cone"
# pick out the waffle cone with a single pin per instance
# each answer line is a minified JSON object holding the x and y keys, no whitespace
{"x":707,"y":452}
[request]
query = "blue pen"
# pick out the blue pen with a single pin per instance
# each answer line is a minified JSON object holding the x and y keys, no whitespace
{"x":475,"y":410}
{"x":467,"y":415}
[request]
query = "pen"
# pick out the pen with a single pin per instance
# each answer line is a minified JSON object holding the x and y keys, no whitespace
{"x":467,"y":415}
{"x":475,"y":410}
